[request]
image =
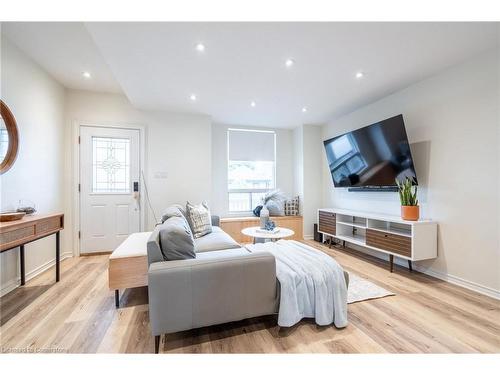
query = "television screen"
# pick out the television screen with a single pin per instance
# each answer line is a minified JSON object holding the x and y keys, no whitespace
{"x":375,"y":155}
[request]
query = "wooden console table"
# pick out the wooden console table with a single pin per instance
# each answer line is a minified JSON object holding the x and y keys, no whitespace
{"x":30,"y":228}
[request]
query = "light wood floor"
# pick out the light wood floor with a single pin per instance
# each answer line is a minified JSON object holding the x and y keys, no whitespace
{"x":77,"y":315}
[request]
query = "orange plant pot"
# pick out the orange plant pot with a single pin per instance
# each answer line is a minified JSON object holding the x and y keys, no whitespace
{"x":411,"y":213}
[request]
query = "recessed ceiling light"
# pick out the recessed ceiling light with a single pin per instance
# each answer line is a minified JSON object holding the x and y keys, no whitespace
{"x":193,"y":97}
{"x":86,"y":75}
{"x":200,"y":47}
{"x":304,"y":109}
{"x":252,"y":104}
{"x":360,"y":75}
{"x":289,"y":63}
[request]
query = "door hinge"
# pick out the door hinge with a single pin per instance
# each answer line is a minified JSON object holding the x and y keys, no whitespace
{"x":79,"y":139}
{"x":79,"y":234}
{"x":79,"y":188}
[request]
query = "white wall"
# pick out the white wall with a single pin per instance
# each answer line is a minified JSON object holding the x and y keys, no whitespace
{"x":176,"y":144}
{"x":452,"y":120}
{"x":313,"y":188}
{"x":308,"y":167}
{"x":284,"y":164}
{"x":37,"y":102}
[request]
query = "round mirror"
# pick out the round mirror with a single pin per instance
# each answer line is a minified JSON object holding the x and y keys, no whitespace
{"x":9,"y":138}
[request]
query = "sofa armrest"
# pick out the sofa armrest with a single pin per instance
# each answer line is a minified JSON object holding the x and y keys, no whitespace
{"x":193,"y":293}
{"x":216,"y":221}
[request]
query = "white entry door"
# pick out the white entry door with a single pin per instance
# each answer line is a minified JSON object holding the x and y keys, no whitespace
{"x":109,"y":184}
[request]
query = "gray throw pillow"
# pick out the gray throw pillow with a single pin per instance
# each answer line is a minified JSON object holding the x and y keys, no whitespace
{"x":176,"y":239}
{"x":199,"y":219}
{"x":276,"y":208}
{"x":171,"y":212}
{"x":275,"y":202}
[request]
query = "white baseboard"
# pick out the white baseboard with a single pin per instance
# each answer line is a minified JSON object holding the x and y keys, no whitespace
{"x":16,"y":282}
{"x":490,"y":292}
{"x":308,"y":237}
{"x":487,"y":291}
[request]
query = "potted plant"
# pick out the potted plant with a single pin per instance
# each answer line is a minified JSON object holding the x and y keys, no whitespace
{"x":408,"y":197}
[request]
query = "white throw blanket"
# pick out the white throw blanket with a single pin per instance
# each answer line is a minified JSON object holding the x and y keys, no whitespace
{"x":312,"y":284}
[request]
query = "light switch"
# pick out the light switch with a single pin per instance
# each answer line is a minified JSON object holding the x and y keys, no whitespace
{"x":161,"y":175}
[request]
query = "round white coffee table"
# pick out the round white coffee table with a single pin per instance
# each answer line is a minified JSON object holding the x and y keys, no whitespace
{"x":282,"y":233}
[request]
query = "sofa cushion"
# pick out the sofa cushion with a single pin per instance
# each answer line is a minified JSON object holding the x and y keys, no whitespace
{"x":176,"y":239}
{"x":199,"y":219}
{"x":217,"y":240}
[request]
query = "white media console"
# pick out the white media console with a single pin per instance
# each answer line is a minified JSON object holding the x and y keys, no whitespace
{"x":411,"y":240}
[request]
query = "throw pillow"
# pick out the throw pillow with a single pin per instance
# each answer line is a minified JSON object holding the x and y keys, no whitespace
{"x":176,"y":239}
{"x":275,"y":202}
{"x":199,"y":219}
{"x":292,"y":207}
{"x":171,"y":212}
{"x":276,"y":208}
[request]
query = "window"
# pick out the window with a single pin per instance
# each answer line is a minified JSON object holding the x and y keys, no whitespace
{"x":110,"y":165}
{"x":251,"y":167}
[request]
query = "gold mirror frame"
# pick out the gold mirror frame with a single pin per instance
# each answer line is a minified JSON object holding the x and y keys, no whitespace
{"x":10,"y":124}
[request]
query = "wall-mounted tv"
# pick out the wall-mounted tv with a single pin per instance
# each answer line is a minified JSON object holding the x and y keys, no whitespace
{"x":371,"y":157}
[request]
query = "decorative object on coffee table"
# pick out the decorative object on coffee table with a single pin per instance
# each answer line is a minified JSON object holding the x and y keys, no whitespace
{"x":408,"y":197}
{"x":256,"y":210}
{"x":270,"y":225}
{"x":264,"y":216}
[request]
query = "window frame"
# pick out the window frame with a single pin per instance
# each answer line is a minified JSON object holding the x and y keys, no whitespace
{"x":247,"y":191}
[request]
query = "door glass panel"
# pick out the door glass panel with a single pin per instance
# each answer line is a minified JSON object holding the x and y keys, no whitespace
{"x":110,"y":165}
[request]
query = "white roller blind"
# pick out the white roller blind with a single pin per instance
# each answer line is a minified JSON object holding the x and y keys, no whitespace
{"x":250,"y":145}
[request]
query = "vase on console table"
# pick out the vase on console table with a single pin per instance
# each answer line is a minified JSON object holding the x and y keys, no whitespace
{"x":264,"y":217}
{"x":411,"y":213}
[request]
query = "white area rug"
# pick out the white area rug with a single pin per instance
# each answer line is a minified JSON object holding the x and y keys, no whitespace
{"x":361,"y":289}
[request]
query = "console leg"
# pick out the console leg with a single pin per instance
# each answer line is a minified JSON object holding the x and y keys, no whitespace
{"x":157,"y":344}
{"x":117,"y":298}
{"x":391,"y":260}
{"x":343,"y":244}
{"x":58,"y":256}
{"x":329,"y":242}
{"x":410,"y":266}
{"x":21,"y":261}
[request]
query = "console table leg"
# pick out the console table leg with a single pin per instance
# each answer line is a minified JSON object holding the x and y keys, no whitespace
{"x":21,"y":261}
{"x":391,"y":260}
{"x":58,"y":255}
{"x":410,"y":266}
{"x":157,"y":344}
{"x":117,"y":298}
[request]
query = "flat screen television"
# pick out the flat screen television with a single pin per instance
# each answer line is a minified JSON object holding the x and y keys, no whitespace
{"x":371,"y":157}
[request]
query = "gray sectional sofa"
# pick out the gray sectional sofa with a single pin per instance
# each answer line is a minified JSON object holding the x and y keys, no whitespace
{"x":221,"y":282}
{"x":199,"y":282}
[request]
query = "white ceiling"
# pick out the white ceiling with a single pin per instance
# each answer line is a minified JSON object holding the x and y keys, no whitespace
{"x":157,"y":66}
{"x":65,"y":50}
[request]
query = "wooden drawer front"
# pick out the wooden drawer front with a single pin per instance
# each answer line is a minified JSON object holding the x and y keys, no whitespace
{"x":48,"y":225}
{"x":327,"y":222}
{"x":388,"y":241}
{"x":16,"y":236}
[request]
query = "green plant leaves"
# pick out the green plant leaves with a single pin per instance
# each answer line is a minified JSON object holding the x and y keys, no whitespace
{"x":407,"y":192}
